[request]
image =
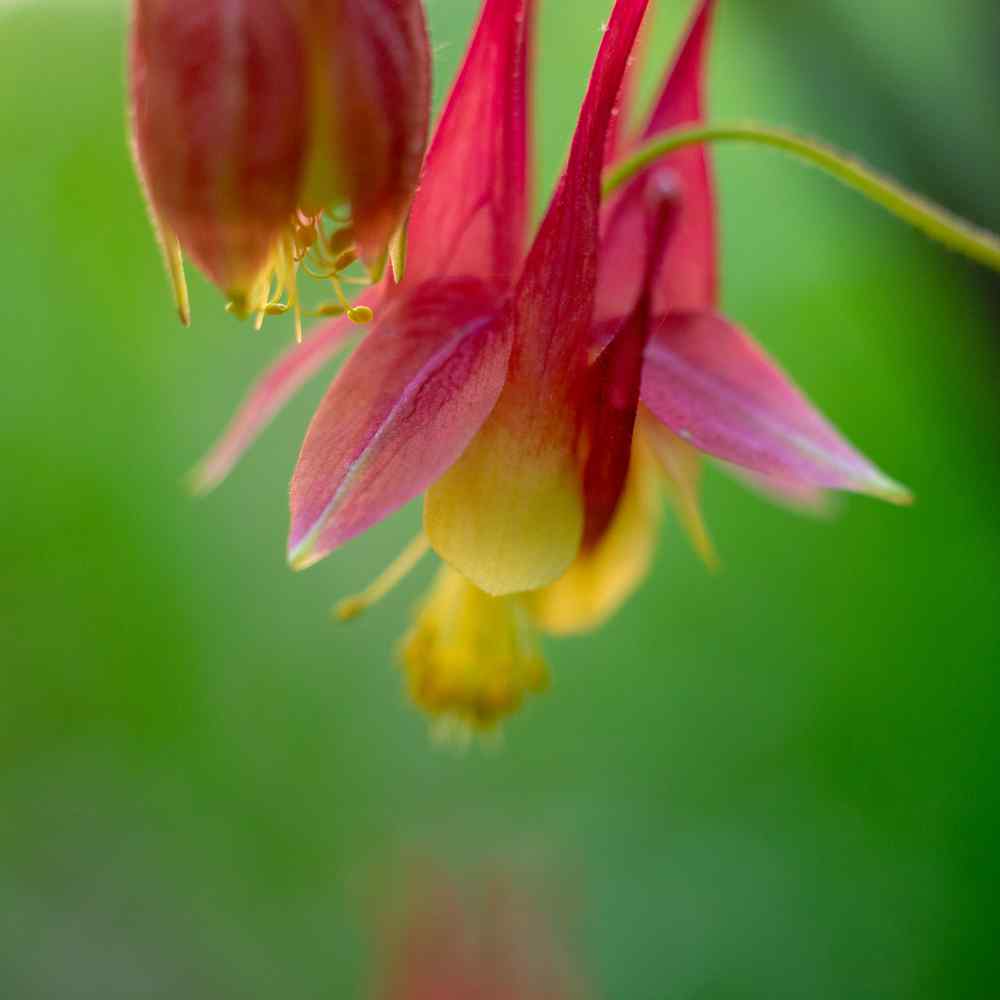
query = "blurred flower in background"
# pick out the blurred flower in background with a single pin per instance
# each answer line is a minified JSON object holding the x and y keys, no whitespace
{"x":493,"y":934}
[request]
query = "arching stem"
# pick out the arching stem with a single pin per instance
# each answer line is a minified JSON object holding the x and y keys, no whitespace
{"x":936,"y":222}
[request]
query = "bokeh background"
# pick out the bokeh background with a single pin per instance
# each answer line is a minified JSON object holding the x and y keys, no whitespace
{"x":780,"y":780}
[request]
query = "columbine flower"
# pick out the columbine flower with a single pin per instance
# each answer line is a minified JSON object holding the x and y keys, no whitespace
{"x":266,"y":131}
{"x":472,"y":309}
{"x":509,"y":385}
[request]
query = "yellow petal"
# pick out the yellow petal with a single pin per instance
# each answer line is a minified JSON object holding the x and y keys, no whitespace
{"x":509,"y":514}
{"x":601,"y":579}
{"x":680,"y":464}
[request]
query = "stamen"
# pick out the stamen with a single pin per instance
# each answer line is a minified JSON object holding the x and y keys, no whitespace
{"x":276,"y":292}
{"x":471,"y":657}
{"x":321,"y":276}
{"x":356,"y":314}
{"x":385,"y":582}
{"x":326,"y":310}
{"x":345,"y":259}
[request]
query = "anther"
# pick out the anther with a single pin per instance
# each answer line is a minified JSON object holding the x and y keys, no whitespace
{"x":341,"y":240}
{"x":360,"y":315}
{"x":328,"y":309}
{"x":345,"y":259}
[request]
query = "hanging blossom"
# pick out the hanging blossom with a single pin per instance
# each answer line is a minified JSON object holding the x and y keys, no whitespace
{"x":543,"y":396}
{"x":270,"y":136}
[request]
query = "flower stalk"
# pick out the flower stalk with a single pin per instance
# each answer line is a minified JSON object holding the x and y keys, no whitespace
{"x":938,"y":223}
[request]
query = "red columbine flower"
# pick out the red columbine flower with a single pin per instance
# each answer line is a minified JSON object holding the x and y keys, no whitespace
{"x":508,"y":384}
{"x":251,"y":120}
{"x":453,"y":343}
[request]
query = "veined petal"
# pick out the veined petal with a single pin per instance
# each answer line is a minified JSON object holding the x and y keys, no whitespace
{"x":712,"y":385}
{"x":509,"y":515}
{"x":378,"y":58}
{"x":270,"y":393}
{"x":621,"y":115}
{"x":796,"y":496}
{"x":399,"y":413}
{"x":470,"y":214}
{"x":687,"y":277}
{"x":219,"y":121}
{"x":603,"y":577}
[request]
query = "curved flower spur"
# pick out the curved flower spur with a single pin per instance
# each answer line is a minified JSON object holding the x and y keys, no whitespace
{"x":544,"y":398}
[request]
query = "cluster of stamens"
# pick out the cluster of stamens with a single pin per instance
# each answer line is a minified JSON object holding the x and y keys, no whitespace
{"x":322,"y":255}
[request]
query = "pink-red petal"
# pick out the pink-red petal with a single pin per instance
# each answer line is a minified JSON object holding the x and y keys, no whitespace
{"x":399,"y":413}
{"x":610,"y":398}
{"x":712,"y":385}
{"x":376,"y":56}
{"x":510,"y":515}
{"x":270,"y":393}
{"x":687,"y":277}
{"x":470,"y":214}
{"x":796,"y":496}
{"x":219,"y":119}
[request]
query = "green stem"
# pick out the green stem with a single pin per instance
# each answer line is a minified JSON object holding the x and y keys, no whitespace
{"x":938,"y":223}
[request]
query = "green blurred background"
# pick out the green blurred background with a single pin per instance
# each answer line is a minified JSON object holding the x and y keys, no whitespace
{"x":777,"y":781}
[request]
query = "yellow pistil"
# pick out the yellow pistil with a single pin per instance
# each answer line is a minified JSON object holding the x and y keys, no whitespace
{"x":471,"y":657}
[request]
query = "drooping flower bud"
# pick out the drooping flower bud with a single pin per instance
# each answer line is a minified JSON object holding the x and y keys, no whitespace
{"x":252,"y":119}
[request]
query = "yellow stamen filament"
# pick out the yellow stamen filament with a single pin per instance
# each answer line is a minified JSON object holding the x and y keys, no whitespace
{"x":387,"y":581}
{"x":356,"y":314}
{"x":276,"y":291}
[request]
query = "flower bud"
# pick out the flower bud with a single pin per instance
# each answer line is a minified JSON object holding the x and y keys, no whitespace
{"x":252,"y":118}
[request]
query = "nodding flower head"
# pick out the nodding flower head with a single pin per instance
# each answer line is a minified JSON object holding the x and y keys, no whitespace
{"x":545,"y":394}
{"x":266,"y":132}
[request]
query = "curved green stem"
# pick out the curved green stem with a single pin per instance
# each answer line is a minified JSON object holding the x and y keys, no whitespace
{"x":938,"y":223}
